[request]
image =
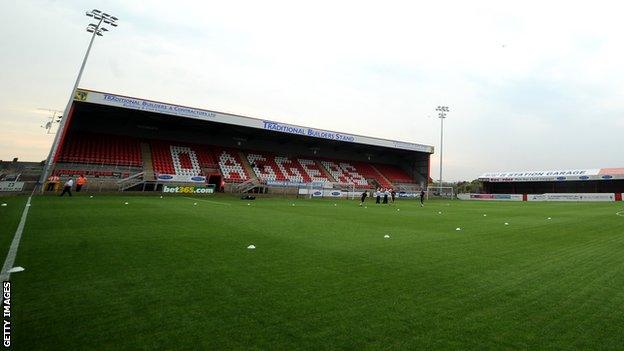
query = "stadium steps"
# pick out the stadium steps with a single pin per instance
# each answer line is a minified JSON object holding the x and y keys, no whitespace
{"x":245,"y":163}
{"x":148,"y":166}
{"x":381,"y":175}
{"x":325,"y":171}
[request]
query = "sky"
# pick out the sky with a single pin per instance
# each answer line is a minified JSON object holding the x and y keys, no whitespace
{"x":530,"y":85}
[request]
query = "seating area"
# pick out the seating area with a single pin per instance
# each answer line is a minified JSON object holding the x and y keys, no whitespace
{"x":313,"y":171}
{"x":394,"y":173}
{"x":231,"y":166}
{"x":84,"y":150}
{"x":101,"y":149}
{"x":180,"y":159}
{"x":369,"y":172}
{"x":344,"y":172}
{"x":277,"y":168}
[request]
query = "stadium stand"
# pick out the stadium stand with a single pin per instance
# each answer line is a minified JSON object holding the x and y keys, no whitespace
{"x":101,"y":149}
{"x":181,"y":159}
{"x":278,"y":168}
{"x":109,"y":156}
{"x":313,"y":170}
{"x":231,"y":166}
{"x":369,"y":172}
{"x":393,"y":174}
{"x":344,"y":172}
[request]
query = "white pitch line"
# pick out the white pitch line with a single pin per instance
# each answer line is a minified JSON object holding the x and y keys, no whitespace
{"x":10,"y":259}
{"x":621,"y":213}
{"x":209,"y":201}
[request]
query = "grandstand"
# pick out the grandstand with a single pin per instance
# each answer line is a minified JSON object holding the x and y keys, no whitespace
{"x":129,"y":144}
{"x":603,"y":180}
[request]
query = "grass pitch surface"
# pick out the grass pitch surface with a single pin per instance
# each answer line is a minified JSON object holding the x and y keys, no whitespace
{"x":168,"y":274}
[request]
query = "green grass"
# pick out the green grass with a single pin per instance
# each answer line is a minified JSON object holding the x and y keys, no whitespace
{"x":10,"y":216}
{"x":164,"y":274}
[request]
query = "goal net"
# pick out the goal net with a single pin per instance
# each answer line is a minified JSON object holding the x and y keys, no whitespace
{"x":445,"y":192}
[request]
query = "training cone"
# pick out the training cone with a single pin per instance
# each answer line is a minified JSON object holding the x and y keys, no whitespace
{"x":251,"y":247}
{"x":387,"y":236}
{"x":458,"y":228}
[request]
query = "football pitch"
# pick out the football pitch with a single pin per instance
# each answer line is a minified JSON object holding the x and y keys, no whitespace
{"x":176,"y":273}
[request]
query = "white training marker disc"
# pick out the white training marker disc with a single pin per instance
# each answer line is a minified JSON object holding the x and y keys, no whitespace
{"x":439,"y":212}
{"x":251,"y":247}
{"x":458,"y":228}
{"x":248,"y":204}
{"x":125,"y":203}
{"x":3,"y":205}
{"x":91,"y":197}
{"x":194,"y":203}
{"x":387,"y":236}
{"x":16,"y":269}
{"x":549,"y":218}
{"x":506,"y":223}
{"x":484,"y":215}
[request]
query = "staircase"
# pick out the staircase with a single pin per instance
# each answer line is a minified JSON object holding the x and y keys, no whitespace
{"x":148,"y":167}
{"x":131,"y":181}
{"x":247,"y":167}
{"x":381,"y":175}
{"x":247,"y":185}
{"x":324,"y":171}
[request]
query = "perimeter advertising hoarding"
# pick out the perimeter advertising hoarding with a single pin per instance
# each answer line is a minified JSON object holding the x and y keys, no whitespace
{"x":490,"y":197}
{"x":11,"y":186}
{"x":572,"y":197}
{"x":188,"y":189}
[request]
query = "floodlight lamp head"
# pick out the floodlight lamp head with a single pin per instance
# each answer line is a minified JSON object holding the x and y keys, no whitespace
{"x":89,"y":14}
{"x":96,"y":11}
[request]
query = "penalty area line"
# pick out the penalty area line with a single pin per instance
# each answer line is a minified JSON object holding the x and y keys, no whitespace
{"x":209,"y":201}
{"x":10,"y":259}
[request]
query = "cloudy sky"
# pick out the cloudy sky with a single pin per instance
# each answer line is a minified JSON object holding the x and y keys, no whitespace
{"x":530,"y":84}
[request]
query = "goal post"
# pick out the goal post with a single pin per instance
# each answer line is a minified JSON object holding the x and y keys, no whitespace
{"x":444,"y":192}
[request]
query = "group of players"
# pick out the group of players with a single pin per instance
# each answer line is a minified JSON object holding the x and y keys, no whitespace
{"x":382,"y":193}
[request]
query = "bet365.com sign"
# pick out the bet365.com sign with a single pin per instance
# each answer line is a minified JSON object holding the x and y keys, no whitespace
{"x":188,"y":189}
